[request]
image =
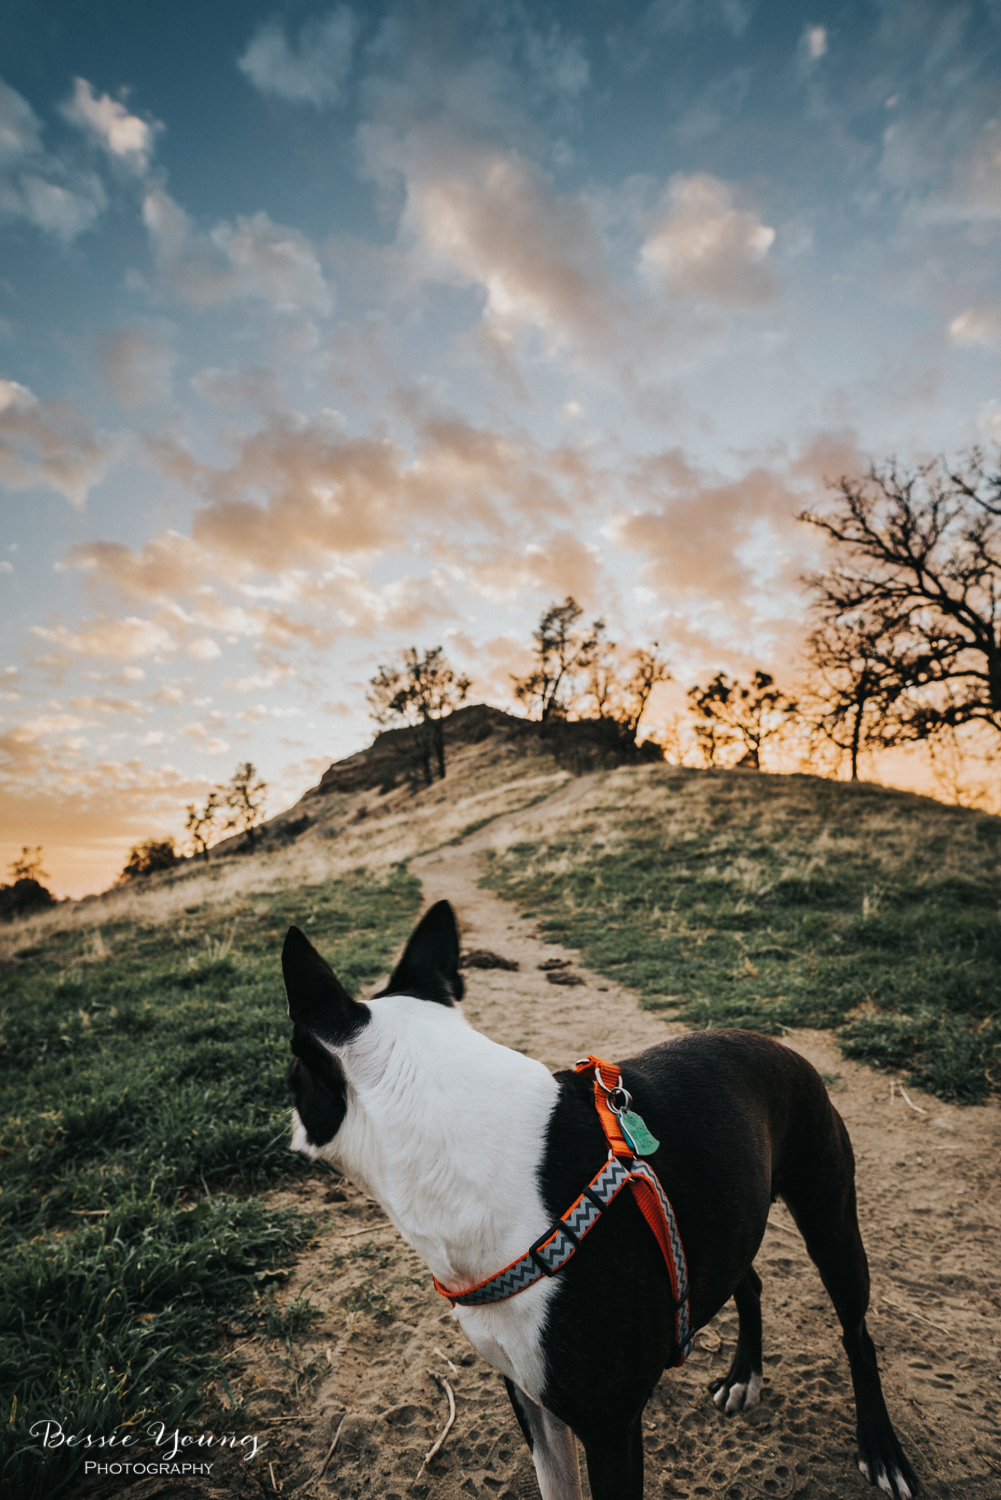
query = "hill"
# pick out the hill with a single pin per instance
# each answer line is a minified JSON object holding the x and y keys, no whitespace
{"x":144,"y":1040}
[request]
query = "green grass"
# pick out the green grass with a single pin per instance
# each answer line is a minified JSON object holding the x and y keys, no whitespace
{"x":779,"y":902}
{"x":143,"y":1071}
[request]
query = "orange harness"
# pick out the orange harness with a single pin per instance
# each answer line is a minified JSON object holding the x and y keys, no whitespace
{"x":622,"y":1169}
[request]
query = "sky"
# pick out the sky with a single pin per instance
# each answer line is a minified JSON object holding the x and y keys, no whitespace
{"x":327,"y":331}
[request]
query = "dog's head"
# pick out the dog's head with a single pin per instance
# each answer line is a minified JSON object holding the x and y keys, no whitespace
{"x":328,"y":1025}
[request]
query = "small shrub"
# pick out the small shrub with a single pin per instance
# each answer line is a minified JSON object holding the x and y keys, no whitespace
{"x":23,"y":898}
{"x":146,"y":858}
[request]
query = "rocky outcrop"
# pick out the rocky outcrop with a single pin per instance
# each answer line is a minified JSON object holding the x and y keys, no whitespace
{"x":385,"y":760}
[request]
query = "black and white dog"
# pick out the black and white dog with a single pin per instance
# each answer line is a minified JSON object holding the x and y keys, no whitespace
{"x":474,"y":1150}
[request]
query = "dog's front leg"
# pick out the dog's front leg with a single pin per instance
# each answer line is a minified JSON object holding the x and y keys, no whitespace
{"x":615,"y":1461}
{"x":552,"y":1445}
{"x":740,"y":1388}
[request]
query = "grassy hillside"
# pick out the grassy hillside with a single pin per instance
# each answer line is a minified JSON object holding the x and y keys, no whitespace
{"x":143,"y":1073}
{"x":771,"y":902}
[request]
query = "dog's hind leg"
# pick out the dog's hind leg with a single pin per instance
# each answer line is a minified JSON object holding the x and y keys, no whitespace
{"x":822,"y":1201}
{"x":552,"y":1445}
{"x":740,"y":1388}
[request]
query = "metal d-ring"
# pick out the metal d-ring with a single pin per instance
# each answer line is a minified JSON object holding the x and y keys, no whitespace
{"x":611,"y":1094}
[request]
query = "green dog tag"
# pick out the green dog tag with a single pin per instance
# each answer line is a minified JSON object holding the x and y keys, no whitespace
{"x":635,"y":1131}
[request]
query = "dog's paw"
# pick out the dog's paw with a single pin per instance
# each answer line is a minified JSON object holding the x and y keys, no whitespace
{"x":732,"y":1394}
{"x":889,"y":1471}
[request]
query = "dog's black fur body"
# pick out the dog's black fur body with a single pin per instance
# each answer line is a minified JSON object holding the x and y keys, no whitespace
{"x":742,"y":1120}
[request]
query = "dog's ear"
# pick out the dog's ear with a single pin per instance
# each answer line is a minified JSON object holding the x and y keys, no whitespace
{"x":316,"y":998}
{"x":429,"y":968}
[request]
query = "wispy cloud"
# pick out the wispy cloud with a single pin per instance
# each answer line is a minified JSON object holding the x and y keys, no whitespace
{"x":48,"y":444}
{"x":58,"y":197}
{"x":312,"y":68}
{"x":704,"y":247}
{"x":125,"y":137}
{"x":252,"y":258}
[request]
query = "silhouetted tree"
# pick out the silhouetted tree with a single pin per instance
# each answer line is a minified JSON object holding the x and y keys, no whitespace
{"x":919,"y":574}
{"x":245,"y":797}
{"x":563,"y":654}
{"x":617,"y":696}
{"x":418,"y":693}
{"x":727,"y":713}
{"x":146,"y":858}
{"x":28,"y":865}
{"x":200,"y":822}
{"x":649,"y":669}
{"x":26,"y":894}
{"x":854,"y":688}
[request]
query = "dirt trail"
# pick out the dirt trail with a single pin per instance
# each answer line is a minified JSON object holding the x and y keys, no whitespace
{"x":930,"y":1218}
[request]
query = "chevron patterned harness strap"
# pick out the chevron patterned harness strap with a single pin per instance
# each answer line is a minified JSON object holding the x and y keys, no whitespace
{"x":623,"y":1169}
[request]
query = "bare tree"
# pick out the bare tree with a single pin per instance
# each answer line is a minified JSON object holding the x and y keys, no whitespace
{"x":245,"y":797}
{"x":616,"y":696}
{"x":649,"y":669}
{"x":419,"y":692}
{"x":563,"y":653}
{"x":200,"y":823}
{"x":919,"y":572}
{"x":854,"y":688}
{"x":604,"y":689}
{"x":728,"y":713}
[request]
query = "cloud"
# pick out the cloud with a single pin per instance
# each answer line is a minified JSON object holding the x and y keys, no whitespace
{"x":726,"y":552}
{"x":125,"y":137}
{"x":705,"y":248}
{"x":164,"y":567}
{"x":125,"y":639}
{"x":286,"y":543}
{"x":211,"y":745}
{"x":688,"y":15}
{"x":554,"y":566}
{"x":60,"y":211}
{"x":259,"y":681}
{"x":54,"y":196}
{"x":495,"y":220}
{"x":980,"y":324}
{"x":47,"y":444}
{"x":247,"y":388}
{"x":258,"y":711}
{"x":20,"y":132}
{"x":478,"y":214}
{"x":253,"y":258}
{"x":204,"y":649}
{"x":138,"y":368}
{"x":813,"y":44}
{"x":310,"y":70}
{"x":326,"y":497}
{"x":944,"y":182}
{"x":95,"y":703}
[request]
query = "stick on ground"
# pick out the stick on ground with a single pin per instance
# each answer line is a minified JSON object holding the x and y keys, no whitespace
{"x":330,"y":1450}
{"x":429,"y":1455}
{"x":908,"y":1100}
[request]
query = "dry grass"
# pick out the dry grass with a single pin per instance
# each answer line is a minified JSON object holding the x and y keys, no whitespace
{"x":362,"y":829}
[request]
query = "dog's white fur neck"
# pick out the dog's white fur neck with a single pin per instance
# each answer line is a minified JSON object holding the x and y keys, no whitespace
{"x":447,"y":1129}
